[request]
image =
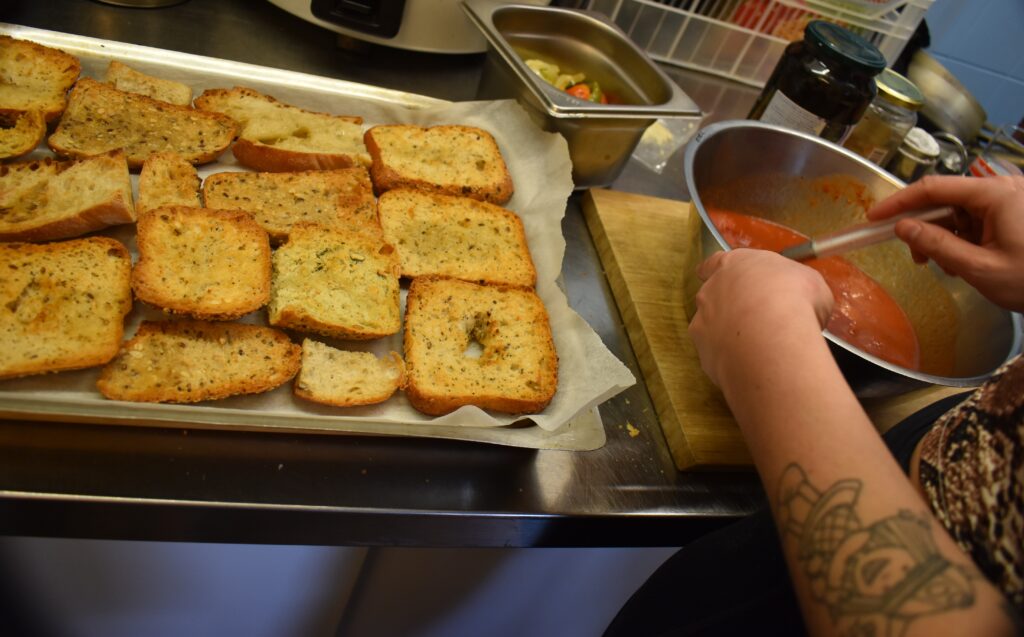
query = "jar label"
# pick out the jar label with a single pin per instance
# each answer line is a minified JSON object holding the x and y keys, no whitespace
{"x":783,"y":111}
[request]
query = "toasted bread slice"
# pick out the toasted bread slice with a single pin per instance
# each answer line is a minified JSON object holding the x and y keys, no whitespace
{"x":46,"y":199}
{"x":483,"y":345}
{"x":191,"y":361}
{"x":337,"y":199}
{"x":341,"y":284}
{"x":455,"y":237}
{"x":62,"y":305}
{"x":347,"y":379}
{"x":278,"y":137}
{"x":210,"y":264}
{"x":20,"y":132}
{"x":125,"y":78}
{"x":34,"y":77}
{"x":167,"y":179}
{"x":100,"y":118}
{"x":451,"y":160}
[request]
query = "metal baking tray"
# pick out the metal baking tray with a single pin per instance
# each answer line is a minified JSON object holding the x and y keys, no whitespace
{"x":71,"y":396}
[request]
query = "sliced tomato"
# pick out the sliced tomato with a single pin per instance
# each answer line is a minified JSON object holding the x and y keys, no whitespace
{"x":582,"y":91}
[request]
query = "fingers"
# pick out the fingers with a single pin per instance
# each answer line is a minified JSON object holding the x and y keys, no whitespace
{"x":710,"y":266}
{"x":970,"y":193}
{"x":928,"y":241}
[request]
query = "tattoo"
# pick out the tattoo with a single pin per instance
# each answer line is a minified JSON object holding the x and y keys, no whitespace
{"x":875,"y":579}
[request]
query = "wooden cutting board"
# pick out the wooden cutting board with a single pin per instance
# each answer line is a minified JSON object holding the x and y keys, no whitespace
{"x":648,"y":246}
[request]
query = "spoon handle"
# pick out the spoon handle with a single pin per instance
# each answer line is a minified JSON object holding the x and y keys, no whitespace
{"x":860,"y":236}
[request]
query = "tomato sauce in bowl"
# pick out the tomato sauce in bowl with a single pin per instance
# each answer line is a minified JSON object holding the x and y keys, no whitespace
{"x":865,"y":315}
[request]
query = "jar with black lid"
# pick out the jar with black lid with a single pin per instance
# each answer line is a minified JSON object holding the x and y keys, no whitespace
{"x":822,"y":84}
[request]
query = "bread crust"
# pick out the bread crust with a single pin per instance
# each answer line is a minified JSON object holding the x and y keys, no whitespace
{"x":117,"y":209}
{"x":163,"y":362}
{"x":269,"y":159}
{"x":60,"y":68}
{"x":517,"y":372}
{"x":198,"y":136}
{"x":44,"y":284}
{"x":208,"y":294}
{"x":386,"y":175}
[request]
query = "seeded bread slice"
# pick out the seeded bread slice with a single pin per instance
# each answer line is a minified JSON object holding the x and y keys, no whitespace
{"x":455,"y":237}
{"x":34,"y":77}
{"x":336,"y":199}
{"x":347,"y":379}
{"x":167,"y":179}
{"x":210,"y":264}
{"x":341,"y":284}
{"x":451,"y":160}
{"x":278,"y":137}
{"x":483,"y":345}
{"x":100,"y":118}
{"x":46,"y":199}
{"x":125,"y":78}
{"x":62,"y":305}
{"x":191,"y":361}
{"x":20,"y":132}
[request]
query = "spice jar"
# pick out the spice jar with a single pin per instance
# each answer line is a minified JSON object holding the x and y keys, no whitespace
{"x":916,"y":156}
{"x":888,"y":118}
{"x":822,"y":84}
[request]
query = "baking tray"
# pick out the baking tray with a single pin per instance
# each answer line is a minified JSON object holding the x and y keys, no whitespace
{"x":71,"y":396}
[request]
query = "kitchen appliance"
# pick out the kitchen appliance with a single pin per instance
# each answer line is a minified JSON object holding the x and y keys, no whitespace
{"x":969,"y":339}
{"x":601,"y":137}
{"x":434,"y":26}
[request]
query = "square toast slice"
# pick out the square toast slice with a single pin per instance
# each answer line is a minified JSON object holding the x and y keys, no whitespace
{"x":167,"y":179}
{"x":345,"y":378}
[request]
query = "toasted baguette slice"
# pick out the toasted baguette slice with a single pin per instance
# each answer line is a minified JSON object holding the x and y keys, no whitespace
{"x":451,"y":160}
{"x":125,"y":78}
{"x":45,"y":199}
{"x":515,"y":366}
{"x":277,"y":137}
{"x":20,"y":132}
{"x":34,"y":77}
{"x":347,"y":379}
{"x":337,"y":199}
{"x":100,"y":118}
{"x":191,"y":361}
{"x":456,"y":237}
{"x":342,"y":284}
{"x":167,"y":180}
{"x":210,"y":264}
{"x":62,"y":305}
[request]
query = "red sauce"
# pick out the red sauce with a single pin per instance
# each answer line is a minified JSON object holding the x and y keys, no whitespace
{"x":864,"y":315}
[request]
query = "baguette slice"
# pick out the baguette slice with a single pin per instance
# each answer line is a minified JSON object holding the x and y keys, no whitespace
{"x":451,"y":160}
{"x":455,"y":237}
{"x":34,"y":77}
{"x":483,"y":345}
{"x":20,"y":132}
{"x":62,"y":305}
{"x":278,"y":137}
{"x":125,"y":78}
{"x":100,"y":118}
{"x":191,"y":361}
{"x":341,"y":284}
{"x":347,"y":379}
{"x":210,"y":264}
{"x":167,"y":179}
{"x":46,"y":199}
{"x":336,"y":199}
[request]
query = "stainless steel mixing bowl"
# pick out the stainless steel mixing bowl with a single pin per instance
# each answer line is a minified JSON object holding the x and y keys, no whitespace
{"x":817,"y":187}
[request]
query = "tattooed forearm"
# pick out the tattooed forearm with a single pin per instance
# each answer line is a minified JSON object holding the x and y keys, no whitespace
{"x":874,"y":578}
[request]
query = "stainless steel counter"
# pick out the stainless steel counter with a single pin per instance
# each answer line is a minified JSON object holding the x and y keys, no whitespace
{"x":116,"y":482}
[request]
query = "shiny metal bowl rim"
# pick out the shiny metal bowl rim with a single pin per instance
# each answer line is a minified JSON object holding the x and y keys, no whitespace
{"x":693,"y":147}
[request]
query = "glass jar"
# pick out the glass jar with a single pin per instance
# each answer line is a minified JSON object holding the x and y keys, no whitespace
{"x":917,"y":156}
{"x":822,"y":84}
{"x":888,"y":118}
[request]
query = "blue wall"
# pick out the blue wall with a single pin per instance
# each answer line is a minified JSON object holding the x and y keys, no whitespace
{"x":982,"y":44}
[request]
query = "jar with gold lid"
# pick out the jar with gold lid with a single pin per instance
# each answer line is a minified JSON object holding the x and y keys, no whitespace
{"x":888,"y":118}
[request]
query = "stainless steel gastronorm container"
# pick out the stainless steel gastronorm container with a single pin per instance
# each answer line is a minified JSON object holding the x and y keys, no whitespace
{"x":725,"y":159}
{"x":601,"y":137}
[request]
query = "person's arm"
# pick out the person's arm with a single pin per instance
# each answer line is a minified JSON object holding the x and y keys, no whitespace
{"x":865,"y":554}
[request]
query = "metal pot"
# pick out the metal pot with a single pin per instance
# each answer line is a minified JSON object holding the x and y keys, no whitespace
{"x":948,"y":105}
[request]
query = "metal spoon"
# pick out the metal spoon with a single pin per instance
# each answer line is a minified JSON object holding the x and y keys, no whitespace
{"x":860,"y":236}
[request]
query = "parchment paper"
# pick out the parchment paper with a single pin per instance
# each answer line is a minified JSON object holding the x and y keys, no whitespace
{"x":541,"y":170}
